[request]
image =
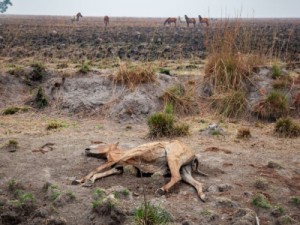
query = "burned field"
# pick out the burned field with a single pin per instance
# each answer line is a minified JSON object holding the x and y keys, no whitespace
{"x":230,"y":91}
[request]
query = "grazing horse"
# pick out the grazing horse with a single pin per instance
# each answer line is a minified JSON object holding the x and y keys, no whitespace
{"x":170,"y":20}
{"x":76,"y":17}
{"x":203,"y":20}
{"x":106,"y":20}
{"x":190,"y":20}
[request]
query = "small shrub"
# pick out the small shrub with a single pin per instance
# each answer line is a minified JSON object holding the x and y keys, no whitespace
{"x":276,"y":71}
{"x":134,"y":76}
{"x":164,"y":71}
{"x":295,"y":200}
{"x":62,"y":65}
{"x":12,"y":185}
{"x":41,"y":100}
{"x":54,"y":192}
{"x":26,"y":197}
{"x":71,"y":195}
{"x":85,"y":67}
{"x":98,"y":193}
{"x":261,"y":184}
{"x":126,"y":192}
{"x":273,"y":107}
{"x":38,"y":71}
{"x":260,"y":201}
{"x":14,"y":109}
{"x":243,"y":133}
{"x":151,"y":215}
{"x":55,"y":124}
{"x":160,"y":124}
{"x":286,"y":127}
{"x":16,"y":70}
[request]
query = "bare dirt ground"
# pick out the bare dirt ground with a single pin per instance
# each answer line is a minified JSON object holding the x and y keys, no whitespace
{"x":238,"y":169}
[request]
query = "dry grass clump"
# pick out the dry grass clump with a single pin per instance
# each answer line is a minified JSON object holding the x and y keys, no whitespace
{"x":282,"y":82}
{"x":286,"y":127}
{"x":274,"y":106}
{"x":182,"y":100}
{"x":243,"y":133}
{"x":231,"y":104}
{"x":14,"y":109}
{"x":230,"y":64}
{"x":132,"y":76}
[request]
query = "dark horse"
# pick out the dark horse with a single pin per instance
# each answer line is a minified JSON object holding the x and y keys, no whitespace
{"x":76,"y":17}
{"x":170,"y":20}
{"x":190,"y":20}
{"x":203,"y":20}
{"x":106,"y":20}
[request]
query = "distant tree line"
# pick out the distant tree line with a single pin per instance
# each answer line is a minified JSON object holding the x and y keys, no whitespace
{"x":4,"y":5}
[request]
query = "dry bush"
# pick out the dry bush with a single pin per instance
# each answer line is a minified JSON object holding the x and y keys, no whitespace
{"x":243,"y":133}
{"x":286,"y":127}
{"x":182,"y":99}
{"x":274,"y":106}
{"x":132,"y":76}
{"x":282,"y":82}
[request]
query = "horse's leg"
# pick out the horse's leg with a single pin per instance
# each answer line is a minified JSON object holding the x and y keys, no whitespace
{"x":175,"y":173}
{"x":105,"y":174}
{"x":186,"y":174}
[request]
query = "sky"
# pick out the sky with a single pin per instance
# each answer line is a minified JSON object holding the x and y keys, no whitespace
{"x":159,"y":8}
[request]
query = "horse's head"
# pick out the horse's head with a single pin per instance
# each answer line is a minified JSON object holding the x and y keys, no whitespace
{"x":79,"y":15}
{"x":200,"y":17}
{"x":185,"y":16}
{"x":100,"y":149}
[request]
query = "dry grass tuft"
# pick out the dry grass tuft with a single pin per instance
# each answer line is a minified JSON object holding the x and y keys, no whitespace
{"x":132,"y":76}
{"x":286,"y":127}
{"x":243,"y":133}
{"x":182,"y":99}
{"x":274,"y":106}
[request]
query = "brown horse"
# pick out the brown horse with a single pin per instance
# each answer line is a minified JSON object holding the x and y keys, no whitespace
{"x":170,"y":20}
{"x":76,"y":17}
{"x":203,"y":20}
{"x":190,"y":20}
{"x":106,"y":20}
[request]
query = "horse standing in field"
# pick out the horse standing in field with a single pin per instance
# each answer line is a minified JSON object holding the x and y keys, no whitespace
{"x":76,"y":17}
{"x":190,"y":20}
{"x":106,"y":20}
{"x":203,"y":20}
{"x":170,"y":20}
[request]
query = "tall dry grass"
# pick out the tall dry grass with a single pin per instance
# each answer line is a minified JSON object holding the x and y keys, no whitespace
{"x":132,"y":76}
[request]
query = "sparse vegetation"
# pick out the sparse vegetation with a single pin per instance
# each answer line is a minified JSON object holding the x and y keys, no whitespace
{"x":243,"y":133}
{"x":151,"y":215}
{"x":286,"y":127}
{"x":295,"y":200}
{"x":71,"y":195}
{"x":276,"y":71}
{"x":14,"y":109}
{"x":54,"y":192}
{"x":165,"y":71}
{"x":260,"y":201}
{"x":133,"y":76}
{"x":55,"y":124}
{"x":38,"y":72}
{"x":261,"y":183}
{"x":85,"y":67}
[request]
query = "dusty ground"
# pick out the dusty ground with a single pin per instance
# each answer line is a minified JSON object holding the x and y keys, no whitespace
{"x":235,"y":167}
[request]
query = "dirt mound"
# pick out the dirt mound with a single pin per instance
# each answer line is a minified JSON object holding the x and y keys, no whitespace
{"x":94,"y":94}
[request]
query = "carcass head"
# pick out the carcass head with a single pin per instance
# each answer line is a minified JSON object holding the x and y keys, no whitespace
{"x":100,"y":149}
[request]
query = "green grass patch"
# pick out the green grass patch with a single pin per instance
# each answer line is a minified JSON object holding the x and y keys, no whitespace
{"x":260,"y":201}
{"x":151,"y":215}
{"x":14,"y":109}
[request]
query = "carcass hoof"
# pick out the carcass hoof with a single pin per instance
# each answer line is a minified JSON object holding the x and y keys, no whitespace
{"x":76,"y":182}
{"x":88,"y":183}
{"x":160,"y":192}
{"x":203,"y":197}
